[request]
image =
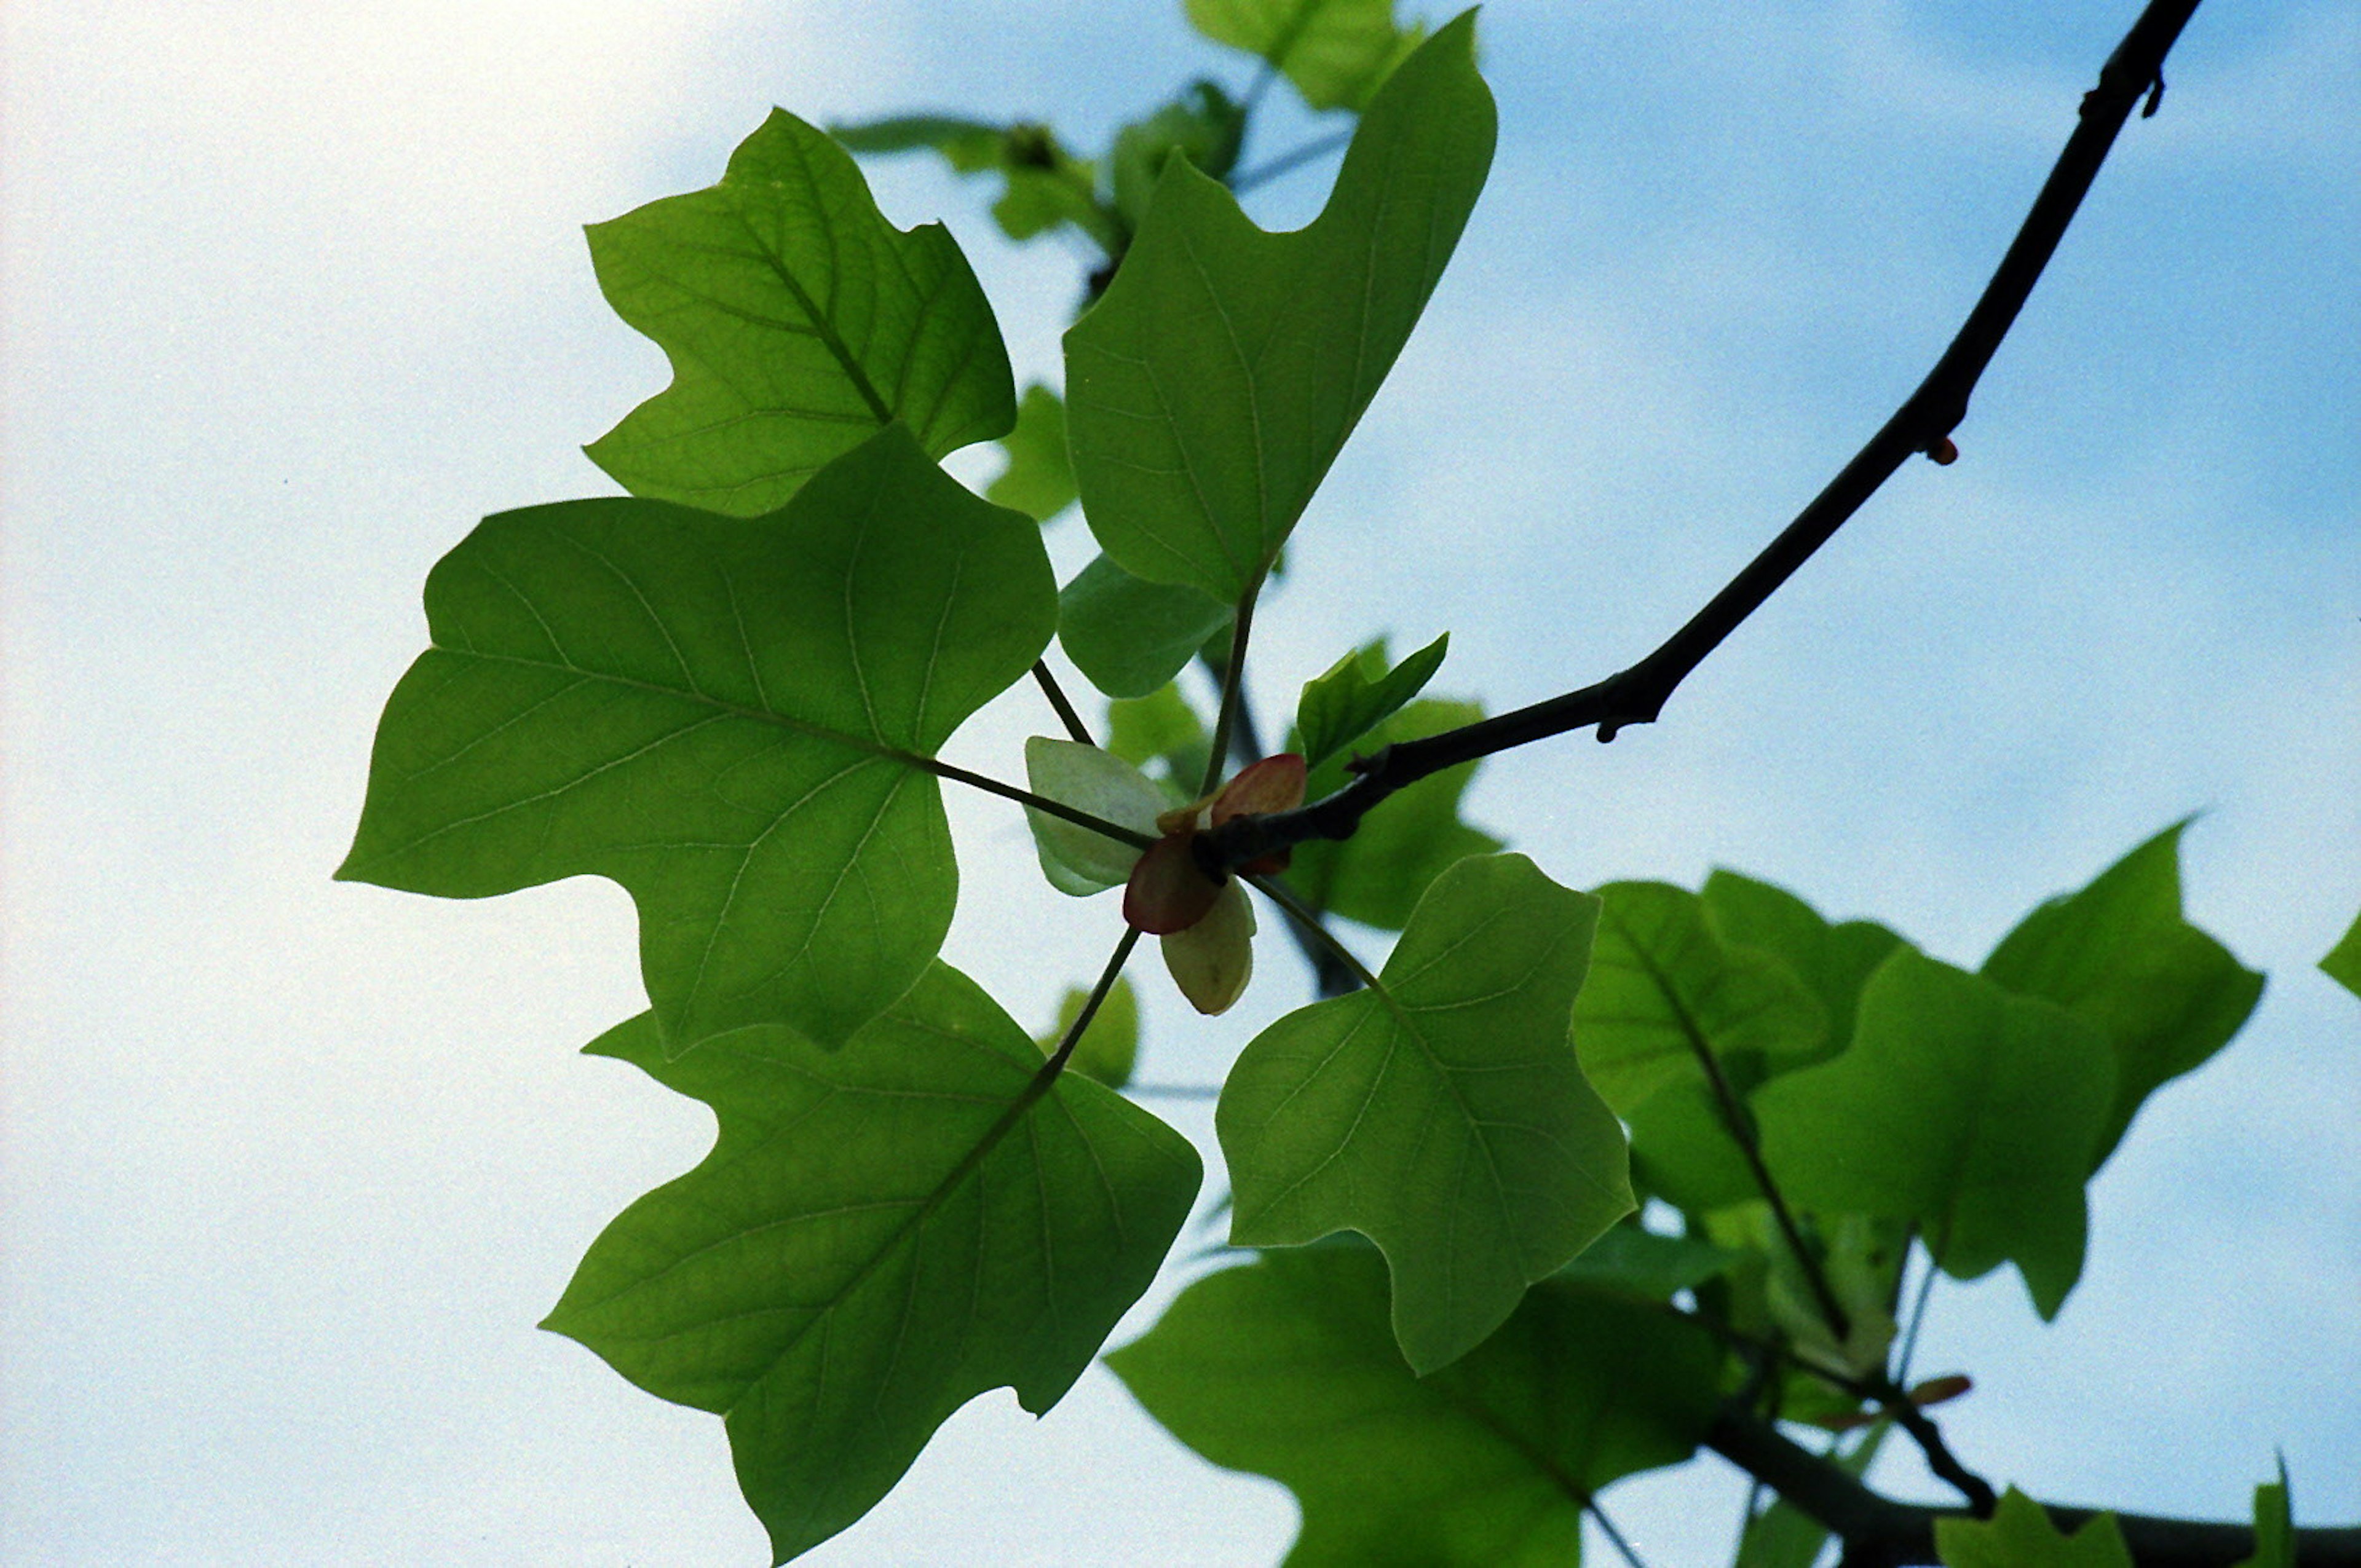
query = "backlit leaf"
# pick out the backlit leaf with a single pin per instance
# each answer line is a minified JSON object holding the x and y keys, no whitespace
{"x":1160,"y":729}
{"x":1110,"y":1046}
{"x":1209,"y":388}
{"x":1337,"y":52}
{"x":1378,"y":874}
{"x":2274,"y":1525}
{"x":727,"y":717}
{"x":798,"y":321}
{"x":2342,"y":963}
{"x":1129,"y":637}
{"x":1834,"y":960}
{"x":1357,"y":694}
{"x":1202,"y":125}
{"x":1285,"y":1367}
{"x":1961,"y":1106}
{"x":1039,"y":481}
{"x":1076,"y":860}
{"x":1640,"y":1262}
{"x":881,"y":1233}
{"x":2019,"y":1535}
{"x":1440,"y":1113}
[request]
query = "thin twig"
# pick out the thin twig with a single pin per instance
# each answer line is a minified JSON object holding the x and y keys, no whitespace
{"x":990,"y":785}
{"x":1057,"y":695}
{"x":1108,"y":977}
{"x":1289,"y":161}
{"x":1307,"y":921}
{"x":1615,"y":1537}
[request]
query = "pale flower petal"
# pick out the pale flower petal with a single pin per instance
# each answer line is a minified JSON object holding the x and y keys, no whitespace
{"x":1212,"y":961}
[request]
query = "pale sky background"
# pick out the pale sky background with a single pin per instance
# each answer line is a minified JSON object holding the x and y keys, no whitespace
{"x":296,"y":293}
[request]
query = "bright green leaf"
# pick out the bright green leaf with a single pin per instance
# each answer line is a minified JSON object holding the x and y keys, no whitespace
{"x":1357,"y":694}
{"x":2021,"y":1536}
{"x":1642,"y":1262}
{"x":1076,"y":860}
{"x":798,"y":321}
{"x":881,"y":1233}
{"x":2342,"y":963}
{"x":1039,"y":481}
{"x":2274,"y":1524}
{"x":1043,"y":185}
{"x":1378,"y":874}
{"x":1337,"y":52}
{"x":1110,"y":1047}
{"x":2119,"y":956}
{"x":1285,"y":1367}
{"x":1440,"y":1113}
{"x":730,"y":717}
{"x":1665,"y":991}
{"x":1834,"y":960}
{"x":1129,"y":637}
{"x":1159,"y":728}
{"x":1209,"y":388}
{"x":1961,"y":1106}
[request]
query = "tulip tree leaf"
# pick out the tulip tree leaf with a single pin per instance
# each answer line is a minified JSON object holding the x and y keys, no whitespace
{"x":1335,"y":52}
{"x":2118,"y":955}
{"x":1357,"y":694}
{"x":1378,"y":874}
{"x":1127,"y":636}
{"x":730,"y":718}
{"x":1042,"y":184}
{"x":1209,"y":388}
{"x":798,"y":321}
{"x":1203,"y":125}
{"x":1636,"y":1262}
{"x":1834,"y":960}
{"x":1161,"y":729}
{"x":1440,"y":1113}
{"x":1285,"y":1368}
{"x":1664,"y":990}
{"x":1967,"y":1108}
{"x":880,"y":1233}
{"x":2275,"y":1538}
{"x":2342,"y":963}
{"x":1039,"y":481}
{"x":1109,"y":1048}
{"x":2020,"y":1535}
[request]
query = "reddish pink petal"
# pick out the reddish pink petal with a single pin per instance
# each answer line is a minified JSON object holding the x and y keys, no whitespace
{"x":1275,"y":784}
{"x":1167,"y":892}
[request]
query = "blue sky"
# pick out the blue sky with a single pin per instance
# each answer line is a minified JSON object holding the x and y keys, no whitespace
{"x":294,"y":294}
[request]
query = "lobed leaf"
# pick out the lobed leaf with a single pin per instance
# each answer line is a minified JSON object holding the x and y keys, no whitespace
{"x":2020,"y":1535}
{"x":1129,"y":637}
{"x":1357,"y":694}
{"x":1203,"y":125}
{"x":1378,"y":874}
{"x":799,"y":322}
{"x":1286,"y":1368}
{"x":1961,"y":1106}
{"x":2343,"y":962}
{"x":730,"y":717}
{"x":1834,"y":960}
{"x":1039,"y":480}
{"x":1440,"y":1113}
{"x":1213,"y":385}
{"x":1109,"y":1048}
{"x":880,"y":1234}
{"x":2119,"y":955}
{"x":1335,"y":52}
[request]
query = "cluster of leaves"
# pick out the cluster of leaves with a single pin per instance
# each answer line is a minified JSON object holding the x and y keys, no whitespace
{"x":728,"y":692}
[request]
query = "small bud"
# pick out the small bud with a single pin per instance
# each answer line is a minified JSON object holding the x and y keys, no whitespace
{"x":1944,"y":451}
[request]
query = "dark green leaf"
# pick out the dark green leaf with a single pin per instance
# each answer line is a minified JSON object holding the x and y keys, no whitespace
{"x":2021,"y":1536}
{"x":2274,"y":1525}
{"x":1110,"y":1047}
{"x":1129,"y":637}
{"x":2342,"y":963}
{"x":1159,"y":727}
{"x":727,"y":717}
{"x":1378,"y":874}
{"x":1202,"y":125}
{"x":1642,"y":1262}
{"x":1961,"y":1106}
{"x":1285,"y":1368}
{"x":881,"y":1233}
{"x":967,"y":145}
{"x":1337,"y":52}
{"x":1439,"y":1112}
{"x":2119,"y":956}
{"x":798,"y":321}
{"x":1357,"y":694}
{"x":1665,"y":991}
{"x":1209,"y":388}
{"x":1039,"y":481}
{"x":1834,"y":960}
{"x":1682,"y":1147}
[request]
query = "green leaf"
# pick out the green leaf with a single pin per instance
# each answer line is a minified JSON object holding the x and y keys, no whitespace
{"x":1784,"y":1536}
{"x":1039,"y":481}
{"x":1967,"y":1108}
{"x":1285,"y":1368}
{"x":2274,"y":1525}
{"x":1642,"y":1262}
{"x":1335,"y":52}
{"x":1439,"y":1112}
{"x":2342,"y":963}
{"x":2119,"y":956}
{"x":1835,"y":961}
{"x":1378,"y":874}
{"x":1129,"y":637}
{"x":881,"y":1233}
{"x":1159,"y":728}
{"x":2021,"y":1536}
{"x":798,"y":321}
{"x":1076,"y":860}
{"x":732,"y":718}
{"x":1109,"y":1048}
{"x":1203,"y":125}
{"x":1666,"y":991}
{"x":966,"y":144}
{"x":1209,"y":388}
{"x":1682,"y":1150}
{"x":1357,"y":694}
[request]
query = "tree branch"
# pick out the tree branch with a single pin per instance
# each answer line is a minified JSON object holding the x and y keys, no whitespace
{"x":1923,"y":423}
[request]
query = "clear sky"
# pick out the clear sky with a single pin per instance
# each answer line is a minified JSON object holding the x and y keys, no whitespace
{"x":294,"y":294}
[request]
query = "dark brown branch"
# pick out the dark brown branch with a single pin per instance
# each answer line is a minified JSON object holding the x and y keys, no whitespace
{"x":1923,"y":423}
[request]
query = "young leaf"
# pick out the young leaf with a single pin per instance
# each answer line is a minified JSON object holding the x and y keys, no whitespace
{"x":1378,"y":874}
{"x":729,"y":717}
{"x":1076,"y":860}
{"x":798,"y":321}
{"x":1834,"y":960}
{"x":1209,"y":388}
{"x":1967,"y":1108}
{"x":2342,"y":963}
{"x":881,"y":1233}
{"x":1159,"y":728}
{"x":1337,"y":52}
{"x":1110,"y":1046}
{"x":1439,"y":1112}
{"x":1129,"y":637}
{"x":1039,"y":481}
{"x":1664,"y":990}
{"x":1202,"y":125}
{"x":2274,"y":1525}
{"x":1043,"y":185}
{"x":2021,"y":1536}
{"x":1285,"y":1367}
{"x":2119,"y":956}
{"x":1357,"y":694}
